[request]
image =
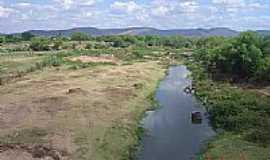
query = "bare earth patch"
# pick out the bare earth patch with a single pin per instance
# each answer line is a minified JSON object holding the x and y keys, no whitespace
{"x":35,"y":152}
{"x":100,"y":59}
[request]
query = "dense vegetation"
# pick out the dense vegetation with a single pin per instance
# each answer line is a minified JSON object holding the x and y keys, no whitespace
{"x":103,"y":42}
{"x":228,"y":75}
{"x":244,"y":57}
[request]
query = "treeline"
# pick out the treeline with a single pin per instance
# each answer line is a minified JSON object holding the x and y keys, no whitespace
{"x":26,"y":36}
{"x":119,"y":41}
{"x":166,"y":41}
{"x":245,"y":57}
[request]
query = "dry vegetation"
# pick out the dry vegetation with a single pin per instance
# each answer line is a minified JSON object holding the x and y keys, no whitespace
{"x":90,"y":113}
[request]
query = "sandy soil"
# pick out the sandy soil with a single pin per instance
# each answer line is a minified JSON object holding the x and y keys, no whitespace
{"x":100,"y":59}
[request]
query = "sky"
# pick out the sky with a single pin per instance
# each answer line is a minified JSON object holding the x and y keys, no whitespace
{"x":22,"y":15}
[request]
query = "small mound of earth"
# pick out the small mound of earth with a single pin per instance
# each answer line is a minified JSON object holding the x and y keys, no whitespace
{"x":101,"y":59}
{"x":76,"y":91}
{"x":35,"y":152}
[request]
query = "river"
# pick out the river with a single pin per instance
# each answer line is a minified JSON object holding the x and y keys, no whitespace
{"x":169,"y":131}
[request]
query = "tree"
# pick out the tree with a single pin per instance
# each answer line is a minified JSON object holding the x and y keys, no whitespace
{"x":79,"y":36}
{"x":266,"y":45}
{"x":250,"y":38}
{"x":26,"y":36}
{"x":240,"y":56}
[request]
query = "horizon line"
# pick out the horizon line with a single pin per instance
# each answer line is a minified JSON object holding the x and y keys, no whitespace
{"x":138,"y":27}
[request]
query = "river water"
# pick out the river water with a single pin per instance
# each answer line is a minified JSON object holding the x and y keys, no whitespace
{"x":169,"y":131}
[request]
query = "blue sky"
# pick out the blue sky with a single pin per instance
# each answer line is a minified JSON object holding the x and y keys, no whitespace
{"x":21,"y":15}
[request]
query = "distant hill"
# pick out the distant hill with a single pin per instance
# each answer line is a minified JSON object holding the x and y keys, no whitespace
{"x":264,"y":32}
{"x":139,"y":31}
{"x":144,"y":31}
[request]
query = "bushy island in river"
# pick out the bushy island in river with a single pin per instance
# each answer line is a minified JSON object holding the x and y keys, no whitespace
{"x":231,"y":76}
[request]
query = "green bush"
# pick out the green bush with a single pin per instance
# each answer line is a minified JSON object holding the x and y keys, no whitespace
{"x":12,"y":38}
{"x":234,"y":109}
{"x":101,"y":46}
{"x":27,"y":36}
{"x":57,"y":44}
{"x":40,"y":44}
{"x":53,"y":61}
{"x":79,"y":36}
{"x":260,"y":132}
{"x":138,"y":54}
{"x":263,"y":71}
{"x":2,"y":39}
{"x":89,"y":46}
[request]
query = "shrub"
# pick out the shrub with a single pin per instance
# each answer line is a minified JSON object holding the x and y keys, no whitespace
{"x":101,"y":46}
{"x":260,"y":133}
{"x":27,"y":36}
{"x":89,"y":46}
{"x":118,"y":42}
{"x":40,"y":44}
{"x":79,"y":36}
{"x":263,"y":71}
{"x":2,"y":39}
{"x":57,"y":44}
{"x":12,"y":39}
{"x":53,"y":61}
{"x":138,"y":54}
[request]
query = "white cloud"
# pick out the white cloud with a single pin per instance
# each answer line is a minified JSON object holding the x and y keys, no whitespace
{"x":67,"y":4}
{"x":189,"y":6}
{"x":164,"y":8}
{"x":164,"y":14}
{"x":160,"y":11}
{"x":33,"y":11}
{"x":23,"y":4}
{"x":129,"y":11}
{"x":5,"y":12}
{"x":240,"y":4}
{"x":127,"y":7}
{"x":229,"y":2}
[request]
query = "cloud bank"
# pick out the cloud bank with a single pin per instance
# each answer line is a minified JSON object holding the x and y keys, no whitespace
{"x":21,"y":15}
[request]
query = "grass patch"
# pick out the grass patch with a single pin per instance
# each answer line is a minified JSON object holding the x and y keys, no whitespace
{"x":233,"y":147}
{"x":120,"y":140}
{"x":25,"y":136}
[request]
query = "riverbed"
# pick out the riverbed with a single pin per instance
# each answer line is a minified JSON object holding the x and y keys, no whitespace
{"x":169,"y":131}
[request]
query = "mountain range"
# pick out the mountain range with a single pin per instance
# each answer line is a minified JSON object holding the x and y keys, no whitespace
{"x":138,"y":31}
{"x":144,"y":31}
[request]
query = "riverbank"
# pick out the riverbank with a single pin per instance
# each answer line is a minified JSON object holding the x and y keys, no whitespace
{"x":239,"y":115}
